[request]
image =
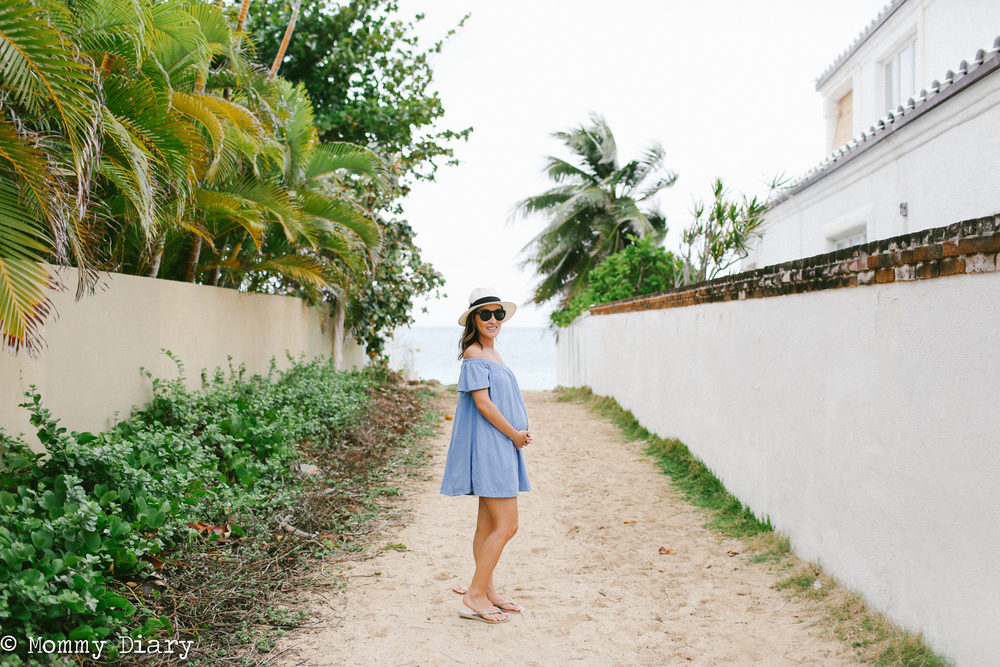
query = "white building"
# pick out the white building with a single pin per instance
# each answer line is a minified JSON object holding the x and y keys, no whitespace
{"x":912,"y":113}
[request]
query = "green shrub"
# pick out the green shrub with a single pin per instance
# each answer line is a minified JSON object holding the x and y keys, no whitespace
{"x":79,"y":521}
{"x":641,"y":268}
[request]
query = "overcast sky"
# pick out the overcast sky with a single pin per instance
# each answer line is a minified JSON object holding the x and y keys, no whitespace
{"x":728,"y":88}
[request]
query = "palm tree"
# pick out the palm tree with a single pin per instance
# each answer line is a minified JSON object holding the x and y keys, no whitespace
{"x":593,"y":210}
{"x":335,"y":243}
{"x":49,"y":145}
{"x":177,"y":155}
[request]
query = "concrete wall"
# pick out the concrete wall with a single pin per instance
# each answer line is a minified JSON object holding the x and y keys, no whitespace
{"x":95,"y":347}
{"x":939,"y":165}
{"x":862,"y":421}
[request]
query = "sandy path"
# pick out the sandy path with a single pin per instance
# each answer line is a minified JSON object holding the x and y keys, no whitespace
{"x":585,"y":563}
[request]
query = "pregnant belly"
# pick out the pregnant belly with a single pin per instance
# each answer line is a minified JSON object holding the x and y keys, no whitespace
{"x":519,"y":420}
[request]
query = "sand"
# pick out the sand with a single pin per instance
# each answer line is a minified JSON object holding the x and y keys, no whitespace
{"x":585,"y":563}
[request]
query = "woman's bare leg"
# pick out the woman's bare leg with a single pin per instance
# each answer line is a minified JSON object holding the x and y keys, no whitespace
{"x":495,"y":525}
{"x":484,"y":525}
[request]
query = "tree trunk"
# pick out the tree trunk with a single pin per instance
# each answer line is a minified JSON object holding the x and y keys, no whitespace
{"x":192,"y":266}
{"x":106,"y":63}
{"x":338,"y":335}
{"x":241,"y":22}
{"x":216,"y":274}
{"x":154,"y":267}
{"x":285,"y":40}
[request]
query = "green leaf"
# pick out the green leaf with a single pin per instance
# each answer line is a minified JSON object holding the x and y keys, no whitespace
{"x":31,"y":578}
{"x":117,"y":601}
{"x":91,"y":540}
{"x":42,"y":539}
{"x":117,"y":527}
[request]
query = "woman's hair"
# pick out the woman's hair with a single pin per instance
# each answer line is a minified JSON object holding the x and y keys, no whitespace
{"x":469,"y":336}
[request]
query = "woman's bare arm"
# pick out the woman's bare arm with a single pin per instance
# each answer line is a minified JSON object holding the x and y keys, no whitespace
{"x":492,"y":413}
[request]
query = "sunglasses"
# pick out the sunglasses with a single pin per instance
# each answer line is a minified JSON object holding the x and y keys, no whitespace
{"x":485,"y":315}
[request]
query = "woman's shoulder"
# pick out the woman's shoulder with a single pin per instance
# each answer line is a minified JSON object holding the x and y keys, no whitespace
{"x":474,"y":351}
{"x":479,"y":357}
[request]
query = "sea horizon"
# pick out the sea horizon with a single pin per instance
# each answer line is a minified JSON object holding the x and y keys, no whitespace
{"x":431,"y":353}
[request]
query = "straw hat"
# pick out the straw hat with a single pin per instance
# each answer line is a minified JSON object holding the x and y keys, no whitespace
{"x":482,"y":296}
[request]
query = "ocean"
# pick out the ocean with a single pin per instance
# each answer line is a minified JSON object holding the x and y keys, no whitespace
{"x":431,"y":353}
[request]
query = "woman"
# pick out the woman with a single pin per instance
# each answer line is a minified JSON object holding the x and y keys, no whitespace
{"x":484,"y":457}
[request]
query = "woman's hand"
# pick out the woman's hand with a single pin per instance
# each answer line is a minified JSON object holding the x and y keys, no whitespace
{"x":521,"y":438}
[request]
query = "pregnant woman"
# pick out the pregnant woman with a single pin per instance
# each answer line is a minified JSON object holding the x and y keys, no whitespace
{"x":484,"y":457}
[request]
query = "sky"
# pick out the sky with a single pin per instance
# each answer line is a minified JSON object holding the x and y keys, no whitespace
{"x":727,"y":87}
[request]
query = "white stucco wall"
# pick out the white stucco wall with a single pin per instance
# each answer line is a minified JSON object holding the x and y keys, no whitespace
{"x":89,"y":369}
{"x":862,"y":421}
{"x":940,"y":166}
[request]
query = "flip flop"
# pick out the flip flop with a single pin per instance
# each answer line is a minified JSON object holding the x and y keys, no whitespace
{"x":468,"y":612}
{"x":499,"y":605}
{"x":504,"y":606}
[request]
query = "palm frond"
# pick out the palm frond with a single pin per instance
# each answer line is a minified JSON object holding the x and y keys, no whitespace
{"x":304,"y":269}
{"x":176,"y":42}
{"x":171,"y":140}
{"x":241,"y":118}
{"x":328,"y":210}
{"x":213,"y":25}
{"x":629,"y":219}
{"x":24,"y":306}
{"x":349,"y":254}
{"x":107,"y":28}
{"x":195,"y":107}
{"x":134,"y":174}
{"x":337,"y":156}
{"x":273,"y":201}
{"x":48,"y":77}
{"x":199,"y":230}
{"x":651,"y":160}
{"x":29,"y":167}
{"x":543,"y":202}
{"x":663,"y":182}
{"x":300,"y":134}
{"x":560,"y":170}
{"x":216,"y":205}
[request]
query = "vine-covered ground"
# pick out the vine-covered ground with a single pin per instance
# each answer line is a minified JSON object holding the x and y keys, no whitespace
{"x":170,"y":537}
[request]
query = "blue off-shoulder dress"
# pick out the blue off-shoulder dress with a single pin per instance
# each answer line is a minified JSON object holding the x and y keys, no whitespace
{"x":482,"y":461}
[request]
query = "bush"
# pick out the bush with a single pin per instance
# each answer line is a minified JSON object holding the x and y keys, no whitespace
{"x":641,"y":268}
{"x":79,"y":523}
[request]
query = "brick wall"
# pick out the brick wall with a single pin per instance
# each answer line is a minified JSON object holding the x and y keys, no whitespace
{"x":971,"y":246}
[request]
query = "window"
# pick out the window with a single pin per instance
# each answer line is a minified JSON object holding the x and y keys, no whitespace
{"x":854,"y":239}
{"x":845,"y":120}
{"x":901,"y":76}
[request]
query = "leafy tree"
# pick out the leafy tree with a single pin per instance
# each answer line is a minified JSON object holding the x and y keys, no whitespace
{"x":715,"y":241}
{"x":594,"y":209}
{"x":367,"y":74}
{"x":371,"y":80}
{"x":641,"y":268}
